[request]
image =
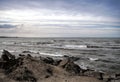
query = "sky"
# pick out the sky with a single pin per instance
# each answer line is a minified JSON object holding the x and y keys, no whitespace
{"x":60,"y":18}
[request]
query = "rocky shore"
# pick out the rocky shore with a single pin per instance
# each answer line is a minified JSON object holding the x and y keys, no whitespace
{"x":26,"y":68}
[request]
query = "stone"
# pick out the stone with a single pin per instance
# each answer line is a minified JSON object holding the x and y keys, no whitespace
{"x":70,"y":66}
{"x":6,"y":56}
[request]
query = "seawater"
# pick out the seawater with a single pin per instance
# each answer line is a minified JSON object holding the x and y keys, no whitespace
{"x":101,"y":54}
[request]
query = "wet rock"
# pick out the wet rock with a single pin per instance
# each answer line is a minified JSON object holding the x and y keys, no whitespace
{"x":26,"y":52}
{"x":72,"y":58}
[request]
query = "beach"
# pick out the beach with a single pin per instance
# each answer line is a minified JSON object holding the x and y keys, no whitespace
{"x":26,"y":68}
{"x":59,"y":60}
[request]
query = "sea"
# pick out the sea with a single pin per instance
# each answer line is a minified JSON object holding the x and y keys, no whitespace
{"x":100,"y":54}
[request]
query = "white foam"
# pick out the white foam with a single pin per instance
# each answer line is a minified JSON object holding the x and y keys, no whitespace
{"x":8,"y":43}
{"x":93,"y":59}
{"x":49,"y":54}
{"x":82,"y":65}
{"x":75,"y":46}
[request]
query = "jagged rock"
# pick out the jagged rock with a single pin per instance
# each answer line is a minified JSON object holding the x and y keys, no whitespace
{"x":6,"y":56}
{"x":48,"y":60}
{"x":70,"y":66}
{"x":8,"y":60}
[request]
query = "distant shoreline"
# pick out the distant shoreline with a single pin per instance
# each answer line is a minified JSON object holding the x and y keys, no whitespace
{"x":64,"y":37}
{"x":7,"y":37}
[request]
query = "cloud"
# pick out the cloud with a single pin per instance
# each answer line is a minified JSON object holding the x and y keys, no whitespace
{"x":93,"y":7}
{"x":75,"y":18}
{"x":58,"y":31}
{"x":7,"y":26}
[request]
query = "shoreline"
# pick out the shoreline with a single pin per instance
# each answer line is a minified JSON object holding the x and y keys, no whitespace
{"x":47,"y":69}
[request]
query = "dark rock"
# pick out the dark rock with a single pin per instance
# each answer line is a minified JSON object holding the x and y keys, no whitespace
{"x":98,"y":75}
{"x":48,"y":60}
{"x":21,"y":55}
{"x":8,"y":60}
{"x":117,"y":75}
{"x":63,"y":63}
{"x":72,"y":58}
{"x":56,"y":62}
{"x":65,"y":56}
{"x":29,"y":55}
{"x":26,"y":52}
{"x":70,"y":66}
{"x":6,"y":56}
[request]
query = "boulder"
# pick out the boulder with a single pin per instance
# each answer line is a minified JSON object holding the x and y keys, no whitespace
{"x":7,"y":60}
{"x":26,"y":52}
{"x":72,"y":58}
{"x":47,"y":60}
{"x":6,"y":56}
{"x":70,"y":66}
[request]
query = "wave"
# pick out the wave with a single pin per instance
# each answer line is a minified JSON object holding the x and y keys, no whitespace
{"x":83,"y":66}
{"x":8,"y":43}
{"x":49,"y":54}
{"x":75,"y":46}
{"x":93,"y":59}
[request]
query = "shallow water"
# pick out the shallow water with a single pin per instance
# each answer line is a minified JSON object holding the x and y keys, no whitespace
{"x":102,"y":54}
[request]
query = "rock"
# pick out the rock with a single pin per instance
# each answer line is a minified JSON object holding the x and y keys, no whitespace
{"x":56,"y":62}
{"x":70,"y":66}
{"x":72,"y":58}
{"x":6,"y":56}
{"x":26,"y":52}
{"x":8,"y":60}
{"x":48,"y":60}
{"x":63,"y":63}
{"x":26,"y":68}
{"x":21,"y":55}
{"x":23,"y":75}
{"x":65,"y":56}
{"x":117,"y":75}
{"x":99,"y":75}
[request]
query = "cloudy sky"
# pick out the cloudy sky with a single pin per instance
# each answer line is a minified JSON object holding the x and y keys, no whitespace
{"x":60,"y":18}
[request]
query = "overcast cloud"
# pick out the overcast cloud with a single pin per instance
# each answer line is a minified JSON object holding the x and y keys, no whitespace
{"x":60,"y":18}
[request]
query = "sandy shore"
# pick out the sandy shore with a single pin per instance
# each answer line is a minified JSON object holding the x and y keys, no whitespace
{"x":26,"y":68}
